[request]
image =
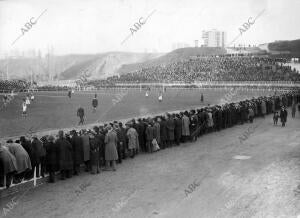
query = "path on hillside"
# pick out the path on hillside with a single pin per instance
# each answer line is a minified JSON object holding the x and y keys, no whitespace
{"x":258,"y":177}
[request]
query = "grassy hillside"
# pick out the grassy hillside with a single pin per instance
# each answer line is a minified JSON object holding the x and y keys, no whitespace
{"x":71,"y":67}
{"x":285,"y":48}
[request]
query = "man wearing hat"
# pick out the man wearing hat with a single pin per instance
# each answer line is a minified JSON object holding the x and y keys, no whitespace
{"x":178,"y":129}
{"x":283,"y":116}
{"x":121,"y":141}
{"x":163,"y":133}
{"x":65,"y":156}
{"x":77,"y":147}
{"x":51,"y":158}
{"x":133,"y":139}
{"x":86,"y":149}
{"x":185,"y":126}
{"x":149,"y":137}
{"x":38,"y":147}
{"x":32,"y":155}
{"x":170,"y":130}
{"x":94,"y":160}
{"x":111,"y":153}
{"x":141,"y":127}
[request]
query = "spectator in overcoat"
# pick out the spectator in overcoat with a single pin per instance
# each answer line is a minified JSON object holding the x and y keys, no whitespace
{"x":133,"y":139}
{"x":32,"y":155}
{"x":141,"y":131}
{"x":111,"y":153}
{"x":77,"y":148}
{"x":95,"y":164}
{"x":156,"y":133}
{"x":8,"y":165}
{"x":65,"y":156}
{"x":178,"y":129}
{"x":170,"y":130}
{"x":163,"y":133}
{"x":39,"y":149}
{"x":86,"y":149}
{"x":22,"y":159}
{"x":52,"y":158}
{"x":185,"y":126}
{"x":149,"y":137}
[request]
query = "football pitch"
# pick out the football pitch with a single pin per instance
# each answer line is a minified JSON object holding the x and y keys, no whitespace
{"x":54,"y":110}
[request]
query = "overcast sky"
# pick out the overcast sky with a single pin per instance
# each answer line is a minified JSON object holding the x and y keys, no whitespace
{"x":96,"y":26}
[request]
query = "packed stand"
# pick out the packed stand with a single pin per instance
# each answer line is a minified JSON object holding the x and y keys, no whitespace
{"x":9,"y":85}
{"x":215,"y":69}
{"x":53,"y":88}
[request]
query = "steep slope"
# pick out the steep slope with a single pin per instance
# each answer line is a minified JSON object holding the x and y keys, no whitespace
{"x":284,"y":48}
{"x":70,"y":67}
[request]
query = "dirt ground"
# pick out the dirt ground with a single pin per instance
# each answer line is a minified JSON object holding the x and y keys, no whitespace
{"x":217,"y":176}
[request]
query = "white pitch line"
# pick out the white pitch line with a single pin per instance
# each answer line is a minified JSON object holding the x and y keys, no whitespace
{"x":53,"y":96}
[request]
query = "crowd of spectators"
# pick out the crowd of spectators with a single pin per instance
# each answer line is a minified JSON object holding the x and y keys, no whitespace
{"x":105,"y":145}
{"x":9,"y":85}
{"x":215,"y":68}
{"x":53,"y":88}
{"x":212,"y":68}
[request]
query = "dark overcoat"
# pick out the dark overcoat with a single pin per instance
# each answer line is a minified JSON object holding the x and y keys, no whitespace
{"x":31,"y":152}
{"x":170,"y":129}
{"x":149,"y":133}
{"x":38,"y":148}
{"x":156,"y":132}
{"x":142,"y":136}
{"x":283,"y":116}
{"x":178,"y":128}
{"x":94,"y":152}
{"x":86,"y":147}
{"x":100,"y":138}
{"x":65,"y":154}
{"x":52,"y":155}
{"x":121,"y":138}
{"x":77,"y":147}
{"x":163,"y":131}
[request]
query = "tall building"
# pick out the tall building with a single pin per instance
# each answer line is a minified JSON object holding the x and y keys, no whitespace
{"x":214,"y":38}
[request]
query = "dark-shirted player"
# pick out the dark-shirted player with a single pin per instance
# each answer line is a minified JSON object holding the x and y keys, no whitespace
{"x":95,"y":103}
{"x":69,"y":93}
{"x":5,"y":100}
{"x":80,"y":114}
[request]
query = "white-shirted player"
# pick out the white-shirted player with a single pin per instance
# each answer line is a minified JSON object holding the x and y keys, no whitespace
{"x":160,"y":97}
{"x":27,"y":100}
{"x":24,"y":108}
{"x":31,"y":96}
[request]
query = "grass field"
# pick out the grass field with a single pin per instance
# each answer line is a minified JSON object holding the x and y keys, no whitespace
{"x":53,"y":110}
